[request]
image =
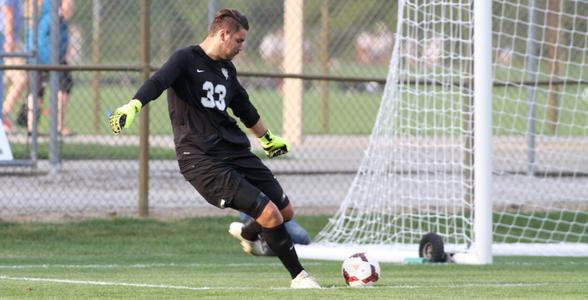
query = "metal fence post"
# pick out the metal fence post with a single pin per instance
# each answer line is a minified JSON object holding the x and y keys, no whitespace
{"x":144,"y":116}
{"x":96,"y":20}
{"x":212,"y":7}
{"x":324,"y":55}
{"x":293,"y":89}
{"x":54,"y":77}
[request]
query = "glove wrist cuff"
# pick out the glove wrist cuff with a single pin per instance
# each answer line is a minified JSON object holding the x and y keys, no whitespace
{"x":136,"y":104}
{"x":266,"y":137}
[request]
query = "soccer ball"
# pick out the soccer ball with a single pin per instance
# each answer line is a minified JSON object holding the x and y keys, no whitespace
{"x":360,"y":270}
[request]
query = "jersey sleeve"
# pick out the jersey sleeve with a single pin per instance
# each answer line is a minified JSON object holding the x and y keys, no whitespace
{"x":163,"y":78}
{"x":243,"y":108}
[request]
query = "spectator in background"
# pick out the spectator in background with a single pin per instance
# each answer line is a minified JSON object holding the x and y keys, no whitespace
{"x":371,"y":48}
{"x":271,"y":50}
{"x":375,"y":47}
{"x":10,"y":22}
{"x":433,"y":49}
{"x":409,"y":50}
{"x":504,"y":56}
{"x":44,"y":52}
{"x":272,"y":47}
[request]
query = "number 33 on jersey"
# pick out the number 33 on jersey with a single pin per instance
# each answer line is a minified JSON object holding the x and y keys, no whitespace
{"x":215,"y":96}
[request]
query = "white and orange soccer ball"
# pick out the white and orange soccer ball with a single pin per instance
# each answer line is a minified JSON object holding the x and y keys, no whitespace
{"x":360,"y":270}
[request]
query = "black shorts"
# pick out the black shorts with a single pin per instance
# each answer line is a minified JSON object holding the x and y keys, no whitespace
{"x":64,"y":78}
{"x":243,"y":183}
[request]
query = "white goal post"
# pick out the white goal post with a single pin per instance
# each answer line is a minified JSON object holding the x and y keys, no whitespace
{"x":481,"y":137}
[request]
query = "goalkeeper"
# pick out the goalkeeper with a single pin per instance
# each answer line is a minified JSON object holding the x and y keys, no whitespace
{"x":213,"y":153}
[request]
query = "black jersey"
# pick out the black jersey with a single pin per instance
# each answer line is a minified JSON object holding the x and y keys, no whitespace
{"x":203,"y":89}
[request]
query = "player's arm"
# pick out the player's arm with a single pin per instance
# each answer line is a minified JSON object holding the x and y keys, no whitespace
{"x":273,"y":145}
{"x":151,"y":89}
{"x":242,"y":107}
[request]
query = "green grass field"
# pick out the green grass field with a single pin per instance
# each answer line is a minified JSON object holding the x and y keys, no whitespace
{"x":197,"y":259}
{"x":73,"y":151}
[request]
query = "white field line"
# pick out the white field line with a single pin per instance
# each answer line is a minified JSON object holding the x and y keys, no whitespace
{"x":237,"y":265}
{"x":111,"y":283}
{"x":132,"y":266}
{"x":182,"y":287}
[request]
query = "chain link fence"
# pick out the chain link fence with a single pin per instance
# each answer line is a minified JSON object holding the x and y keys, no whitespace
{"x":347,"y":46}
{"x":73,"y":165}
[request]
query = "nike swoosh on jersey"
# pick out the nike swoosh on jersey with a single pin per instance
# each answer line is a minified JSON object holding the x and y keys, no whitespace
{"x":199,"y":71}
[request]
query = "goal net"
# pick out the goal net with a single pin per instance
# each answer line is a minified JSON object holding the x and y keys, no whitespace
{"x":419,"y":171}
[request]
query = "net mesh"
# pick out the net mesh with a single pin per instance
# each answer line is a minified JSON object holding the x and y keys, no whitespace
{"x":417,"y":173}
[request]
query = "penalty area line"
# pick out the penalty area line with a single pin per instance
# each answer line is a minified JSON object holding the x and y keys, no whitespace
{"x":137,"y":266}
{"x":113,"y":283}
{"x":192,"y":288}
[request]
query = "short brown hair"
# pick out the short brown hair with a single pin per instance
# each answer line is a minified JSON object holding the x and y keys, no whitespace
{"x":230,"y":19}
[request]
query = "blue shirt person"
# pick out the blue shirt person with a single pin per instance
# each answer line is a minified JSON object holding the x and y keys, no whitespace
{"x":10,"y":23}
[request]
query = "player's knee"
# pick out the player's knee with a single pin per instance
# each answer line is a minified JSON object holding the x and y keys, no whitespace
{"x":288,"y":212}
{"x":270,"y":216}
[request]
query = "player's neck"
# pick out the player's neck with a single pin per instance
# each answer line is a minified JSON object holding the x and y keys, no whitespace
{"x":211,"y":47}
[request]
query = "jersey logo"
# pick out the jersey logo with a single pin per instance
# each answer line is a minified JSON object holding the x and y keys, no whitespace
{"x":199,"y":71}
{"x":225,"y":72}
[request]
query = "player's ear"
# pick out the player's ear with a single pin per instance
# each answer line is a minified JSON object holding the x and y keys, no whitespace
{"x":224,"y":35}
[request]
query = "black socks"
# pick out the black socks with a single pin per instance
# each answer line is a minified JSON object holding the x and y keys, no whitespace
{"x":250,"y":230}
{"x":280,"y":242}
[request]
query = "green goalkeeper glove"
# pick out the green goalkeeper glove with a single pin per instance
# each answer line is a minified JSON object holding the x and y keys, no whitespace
{"x":123,"y":116}
{"x":273,"y":145}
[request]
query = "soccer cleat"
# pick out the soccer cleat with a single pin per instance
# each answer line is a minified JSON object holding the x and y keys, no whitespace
{"x":251,"y":247}
{"x":235,"y":229}
{"x":257,"y":247}
{"x":304,"y":281}
{"x":261,"y":248}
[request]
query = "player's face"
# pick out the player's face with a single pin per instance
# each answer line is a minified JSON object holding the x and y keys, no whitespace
{"x":234,"y":43}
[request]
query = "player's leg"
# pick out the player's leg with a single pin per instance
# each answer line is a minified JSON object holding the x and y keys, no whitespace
{"x":42,"y":79}
{"x":270,"y":221}
{"x":253,"y":202}
{"x":18,"y":83}
{"x":273,"y":231}
{"x":252,"y":229}
{"x":275,"y":234}
{"x":222,"y":186}
{"x":261,"y":177}
{"x":18,"y":86}
{"x":218,"y":183}
{"x":65,"y":86}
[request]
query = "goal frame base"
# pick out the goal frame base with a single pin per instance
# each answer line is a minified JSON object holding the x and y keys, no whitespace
{"x":399,"y":253}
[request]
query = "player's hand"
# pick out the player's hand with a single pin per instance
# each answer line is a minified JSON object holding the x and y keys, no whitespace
{"x":273,"y":145}
{"x":123,"y":116}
